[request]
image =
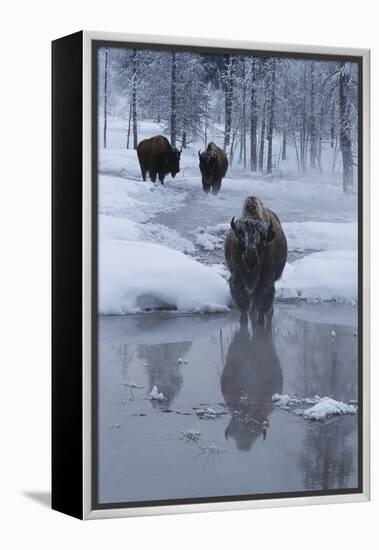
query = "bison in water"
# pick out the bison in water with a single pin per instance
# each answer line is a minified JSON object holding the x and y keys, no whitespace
{"x":157,"y":157}
{"x":252,"y":374}
{"x":255,"y":253}
{"x":213,"y":166}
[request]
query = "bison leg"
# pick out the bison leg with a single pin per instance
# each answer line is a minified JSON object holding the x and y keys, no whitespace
{"x":161,"y":177}
{"x":263,"y":301}
{"x":143,"y":172}
{"x":143,"y":168}
{"x":253,"y":314}
{"x":241,"y":297}
{"x":206,"y":187}
{"x":216,"y":188}
{"x":269,"y":316}
{"x":153,"y":176}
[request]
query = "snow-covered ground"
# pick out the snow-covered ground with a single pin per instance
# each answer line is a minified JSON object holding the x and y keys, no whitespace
{"x":138,"y":275}
{"x":321,"y":276}
{"x":145,"y":263}
{"x":301,"y":236}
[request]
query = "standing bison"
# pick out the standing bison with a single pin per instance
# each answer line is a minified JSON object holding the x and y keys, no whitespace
{"x":213,"y":166}
{"x":256,"y":253}
{"x":157,"y":157}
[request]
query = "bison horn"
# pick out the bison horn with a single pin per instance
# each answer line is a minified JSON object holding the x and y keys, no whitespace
{"x":181,"y":149}
{"x":199,"y":153}
{"x":232,"y":224}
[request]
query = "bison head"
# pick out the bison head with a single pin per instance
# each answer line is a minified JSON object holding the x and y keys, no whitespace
{"x":253,"y":236}
{"x":174,"y":161}
{"x":207,"y":163}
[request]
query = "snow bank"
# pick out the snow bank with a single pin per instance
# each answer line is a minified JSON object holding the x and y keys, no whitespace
{"x":321,"y":276}
{"x":321,"y":236}
{"x":138,"y":276}
{"x":322,"y":407}
{"x":221,"y":270}
{"x":112,"y":227}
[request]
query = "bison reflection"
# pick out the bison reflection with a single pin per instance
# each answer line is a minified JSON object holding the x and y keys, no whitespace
{"x":252,"y":374}
{"x":163,"y":369}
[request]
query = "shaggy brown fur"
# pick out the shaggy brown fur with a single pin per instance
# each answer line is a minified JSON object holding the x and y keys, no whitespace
{"x":255,"y":253}
{"x":157,"y":157}
{"x":213,"y":166}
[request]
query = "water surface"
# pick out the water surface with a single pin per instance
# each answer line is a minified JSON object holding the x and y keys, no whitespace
{"x":202,"y":362}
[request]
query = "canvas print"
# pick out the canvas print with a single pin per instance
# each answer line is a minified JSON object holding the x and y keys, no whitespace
{"x":227,"y":188}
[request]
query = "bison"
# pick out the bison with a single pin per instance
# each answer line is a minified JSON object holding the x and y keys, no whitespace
{"x":252,"y":374}
{"x":255,"y":253}
{"x":213,"y":166}
{"x":157,"y":157}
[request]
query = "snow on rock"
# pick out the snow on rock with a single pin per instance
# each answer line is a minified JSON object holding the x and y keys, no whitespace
{"x":328,"y":407}
{"x":208,"y":242}
{"x":285,"y":401}
{"x":320,"y":236}
{"x":155,"y":394}
{"x":322,"y":407}
{"x":138,"y":276}
{"x":209,"y":413}
{"x":212,"y":237}
{"x":321,"y":276}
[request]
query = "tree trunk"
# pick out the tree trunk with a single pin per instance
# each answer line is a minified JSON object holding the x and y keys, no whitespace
{"x":206,"y":121}
{"x":284,"y":145}
{"x":253,"y":119}
{"x":231,"y":152}
{"x":284,"y":140}
{"x":271,"y":115}
{"x":332,"y":125}
{"x":184,"y":139}
{"x":105,"y":98}
{"x":243,"y":143}
{"x":297,"y":151}
{"x":134,"y":99}
{"x":345,"y":131}
{"x":228,"y":100}
{"x":173,"y":99}
{"x":303,"y":136}
{"x":312,"y":120}
{"x":262,"y":139}
{"x":129,"y":123}
{"x":320,"y":134}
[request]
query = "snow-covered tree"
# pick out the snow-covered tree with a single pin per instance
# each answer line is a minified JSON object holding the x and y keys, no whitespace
{"x":260,"y":109}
